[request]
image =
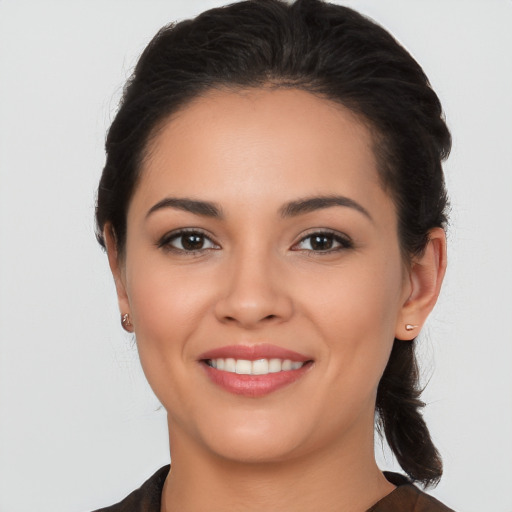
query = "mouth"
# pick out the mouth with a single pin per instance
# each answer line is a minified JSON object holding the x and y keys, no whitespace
{"x":256,"y":370}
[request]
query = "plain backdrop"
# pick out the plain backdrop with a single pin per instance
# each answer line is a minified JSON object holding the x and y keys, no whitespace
{"x":79,"y":427}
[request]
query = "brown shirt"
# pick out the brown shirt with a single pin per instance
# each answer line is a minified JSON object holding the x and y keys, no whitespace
{"x":405,"y":498}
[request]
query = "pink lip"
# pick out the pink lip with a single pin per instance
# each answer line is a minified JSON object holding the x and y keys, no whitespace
{"x":253,"y":385}
{"x":254,"y":352}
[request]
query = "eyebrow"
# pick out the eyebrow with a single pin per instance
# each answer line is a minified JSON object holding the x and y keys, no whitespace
{"x":204,"y":208}
{"x":311,"y":204}
{"x":291,"y":209}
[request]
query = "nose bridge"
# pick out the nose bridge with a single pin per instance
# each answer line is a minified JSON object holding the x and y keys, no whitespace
{"x":253,"y":291}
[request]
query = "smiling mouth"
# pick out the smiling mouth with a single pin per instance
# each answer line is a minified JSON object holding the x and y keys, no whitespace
{"x":254,"y":370}
{"x":254,"y":378}
{"x":256,"y":367}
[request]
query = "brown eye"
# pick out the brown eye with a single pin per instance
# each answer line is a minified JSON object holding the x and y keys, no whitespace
{"x":321,"y":242}
{"x":191,"y":241}
{"x":187,"y":241}
{"x":324,"y":242}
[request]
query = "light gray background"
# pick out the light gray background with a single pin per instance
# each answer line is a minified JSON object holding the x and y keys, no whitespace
{"x":79,"y":427}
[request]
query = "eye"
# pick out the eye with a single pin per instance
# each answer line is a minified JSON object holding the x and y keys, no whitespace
{"x":323,"y":241}
{"x":187,"y":241}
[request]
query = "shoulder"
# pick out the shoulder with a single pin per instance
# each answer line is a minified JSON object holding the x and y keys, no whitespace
{"x":146,"y":498}
{"x":407,"y":498}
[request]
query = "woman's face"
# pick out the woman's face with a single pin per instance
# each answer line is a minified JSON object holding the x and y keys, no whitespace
{"x":260,"y":233}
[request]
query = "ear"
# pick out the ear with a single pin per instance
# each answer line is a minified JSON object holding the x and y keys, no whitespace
{"x":426,"y":275}
{"x":116,"y":267}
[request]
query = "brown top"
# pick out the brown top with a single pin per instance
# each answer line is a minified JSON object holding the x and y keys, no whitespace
{"x":405,"y":498}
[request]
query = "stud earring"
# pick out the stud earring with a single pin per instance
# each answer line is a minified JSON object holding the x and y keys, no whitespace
{"x":126,"y":322}
{"x":410,"y":327}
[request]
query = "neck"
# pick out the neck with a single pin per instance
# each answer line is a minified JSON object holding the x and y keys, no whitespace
{"x":340,"y":478}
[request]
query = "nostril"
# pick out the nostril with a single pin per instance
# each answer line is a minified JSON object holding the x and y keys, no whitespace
{"x":234,"y":319}
{"x":251,"y":310}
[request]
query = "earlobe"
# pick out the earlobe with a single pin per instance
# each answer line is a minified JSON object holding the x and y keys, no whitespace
{"x":116,"y":268}
{"x":426,"y":277}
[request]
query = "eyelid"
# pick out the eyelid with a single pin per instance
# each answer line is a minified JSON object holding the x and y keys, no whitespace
{"x":344,"y":240}
{"x":165,"y":241}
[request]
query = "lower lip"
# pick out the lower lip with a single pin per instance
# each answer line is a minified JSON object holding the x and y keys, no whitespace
{"x":254,"y":385}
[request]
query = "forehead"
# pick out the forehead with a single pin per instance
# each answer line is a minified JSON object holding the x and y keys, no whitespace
{"x":269,"y":144}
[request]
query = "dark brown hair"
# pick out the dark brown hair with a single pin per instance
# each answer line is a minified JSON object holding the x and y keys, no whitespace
{"x":336,"y":53}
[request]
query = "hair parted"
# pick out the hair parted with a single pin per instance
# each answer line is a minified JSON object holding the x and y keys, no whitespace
{"x":336,"y":53}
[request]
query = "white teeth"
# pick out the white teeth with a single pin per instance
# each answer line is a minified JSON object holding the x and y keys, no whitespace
{"x":258,"y":367}
{"x":243,"y":367}
{"x":229,"y":365}
{"x":274,"y":365}
{"x":286,"y":365}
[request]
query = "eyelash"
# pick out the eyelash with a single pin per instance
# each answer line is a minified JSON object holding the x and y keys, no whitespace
{"x":343,"y":240}
{"x":166,"y":242}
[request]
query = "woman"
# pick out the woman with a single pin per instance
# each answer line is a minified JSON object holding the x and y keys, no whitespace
{"x":273,"y":208}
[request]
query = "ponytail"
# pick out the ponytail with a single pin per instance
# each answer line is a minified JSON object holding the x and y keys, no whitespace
{"x":399,"y":417}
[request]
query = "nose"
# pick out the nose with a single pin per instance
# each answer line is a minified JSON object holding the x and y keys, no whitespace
{"x":253,"y":293}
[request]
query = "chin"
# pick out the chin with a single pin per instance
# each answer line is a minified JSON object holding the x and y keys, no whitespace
{"x":256,"y":438}
{"x":255,"y":450}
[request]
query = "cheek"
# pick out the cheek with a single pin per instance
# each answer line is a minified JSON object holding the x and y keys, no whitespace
{"x":167,"y":307}
{"x":356,"y":313}
{"x":358,"y":300}
{"x":166,"y":304}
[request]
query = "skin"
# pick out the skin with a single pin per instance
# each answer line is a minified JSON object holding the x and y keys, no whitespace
{"x":257,"y":279}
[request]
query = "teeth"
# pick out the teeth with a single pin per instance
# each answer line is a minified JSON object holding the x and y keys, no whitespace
{"x":274,"y":365}
{"x":229,"y":365}
{"x":258,"y":367}
{"x":243,"y":367}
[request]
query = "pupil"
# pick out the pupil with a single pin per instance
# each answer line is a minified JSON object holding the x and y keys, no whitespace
{"x":321,"y":242}
{"x":192,"y":242}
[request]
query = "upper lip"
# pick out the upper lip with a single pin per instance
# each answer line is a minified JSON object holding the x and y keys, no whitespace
{"x":254,"y":352}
